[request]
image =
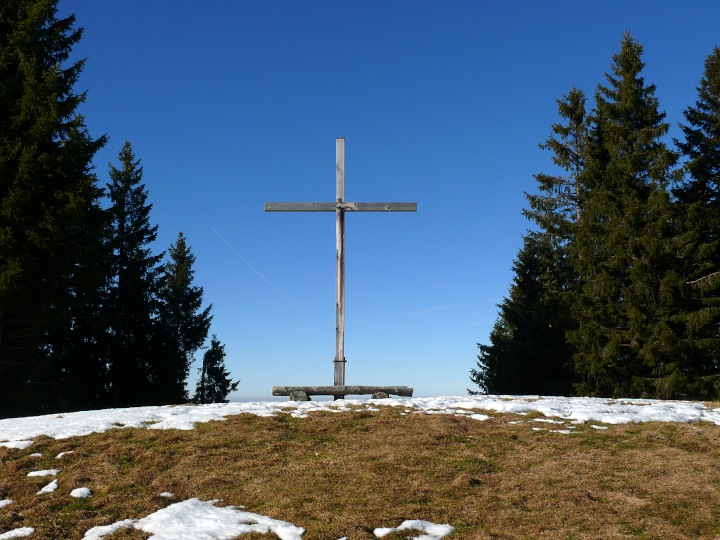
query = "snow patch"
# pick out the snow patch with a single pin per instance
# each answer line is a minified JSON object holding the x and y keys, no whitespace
{"x":17,"y":433}
{"x":80,"y":493}
{"x":96,"y":533}
{"x":17,"y":445}
{"x":52,"y":486}
{"x":201,"y":520}
{"x":17,"y":533}
{"x":432,"y":531}
{"x":47,"y":472}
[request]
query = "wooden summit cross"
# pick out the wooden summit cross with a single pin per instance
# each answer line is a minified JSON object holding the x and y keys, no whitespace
{"x":340,"y":207}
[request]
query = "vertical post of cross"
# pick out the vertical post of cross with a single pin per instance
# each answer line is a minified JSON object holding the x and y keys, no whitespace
{"x":339,"y":206}
{"x":339,"y":362}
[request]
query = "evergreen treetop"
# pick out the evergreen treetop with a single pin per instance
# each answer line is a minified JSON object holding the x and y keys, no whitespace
{"x":623,"y":244}
{"x":557,"y":207}
{"x":184,"y":324}
{"x":214,"y":383}
{"x":135,"y":287}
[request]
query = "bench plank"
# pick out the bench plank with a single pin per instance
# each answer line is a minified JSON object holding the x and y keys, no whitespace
{"x":343,"y":390}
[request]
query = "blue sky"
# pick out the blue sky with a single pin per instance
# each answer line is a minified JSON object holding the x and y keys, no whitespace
{"x":230,"y":104}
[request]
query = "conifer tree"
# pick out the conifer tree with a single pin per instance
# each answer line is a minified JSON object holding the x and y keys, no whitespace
{"x":626,"y":340}
{"x":50,"y":220}
{"x":528,"y":351}
{"x":134,"y":301}
{"x":214,"y":383}
{"x":556,"y":208}
{"x":699,"y":201}
{"x":184,"y":324}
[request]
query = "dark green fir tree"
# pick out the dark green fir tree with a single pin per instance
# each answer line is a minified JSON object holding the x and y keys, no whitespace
{"x":555,"y":210}
{"x":51,"y":225}
{"x":623,"y":251}
{"x":698,"y":198}
{"x":528,"y":352}
{"x":215,"y":383}
{"x":184,"y":323}
{"x":134,"y":303}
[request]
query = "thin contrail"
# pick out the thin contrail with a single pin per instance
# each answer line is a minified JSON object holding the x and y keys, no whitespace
{"x":266,"y":280}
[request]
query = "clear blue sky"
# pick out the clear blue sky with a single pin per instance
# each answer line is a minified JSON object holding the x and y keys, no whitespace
{"x":233,"y":103}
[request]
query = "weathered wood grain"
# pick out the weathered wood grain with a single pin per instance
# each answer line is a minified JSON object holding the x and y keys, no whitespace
{"x":343,"y":390}
{"x":345,"y":206}
{"x":340,"y":207}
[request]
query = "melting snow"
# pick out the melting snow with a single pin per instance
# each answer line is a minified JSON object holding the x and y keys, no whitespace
{"x":199,"y":520}
{"x":96,"y":533}
{"x":19,"y":445}
{"x":16,"y":433}
{"x":80,"y":493}
{"x":433,"y":531}
{"x":52,"y":486}
{"x":48,"y":472}
{"x":17,"y":533}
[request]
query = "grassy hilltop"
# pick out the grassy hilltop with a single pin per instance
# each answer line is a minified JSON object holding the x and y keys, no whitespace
{"x":344,"y":474}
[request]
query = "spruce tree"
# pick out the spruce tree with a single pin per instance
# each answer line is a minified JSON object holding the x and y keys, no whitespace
{"x":528,"y":351}
{"x":184,"y":323}
{"x":134,"y":301}
{"x":215,"y":382}
{"x":698,"y":198}
{"x":51,"y":248}
{"x":626,"y":339}
{"x":556,"y":208}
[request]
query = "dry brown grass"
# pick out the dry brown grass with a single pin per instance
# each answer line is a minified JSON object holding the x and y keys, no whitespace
{"x":343,"y":474}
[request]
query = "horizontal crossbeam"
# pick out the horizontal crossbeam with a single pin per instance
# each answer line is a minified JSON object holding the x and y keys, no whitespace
{"x":343,"y":390}
{"x":333,"y":206}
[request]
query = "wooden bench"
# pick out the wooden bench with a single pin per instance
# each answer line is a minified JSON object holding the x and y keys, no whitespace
{"x":339,"y":392}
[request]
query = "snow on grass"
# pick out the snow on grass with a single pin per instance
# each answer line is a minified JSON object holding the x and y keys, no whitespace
{"x":52,"y":486}
{"x":17,"y":433}
{"x":18,"y":445}
{"x":47,"y":472}
{"x":96,"y":533}
{"x":201,"y":520}
{"x":432,"y":531}
{"x":81,"y":493}
{"x":17,"y":533}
